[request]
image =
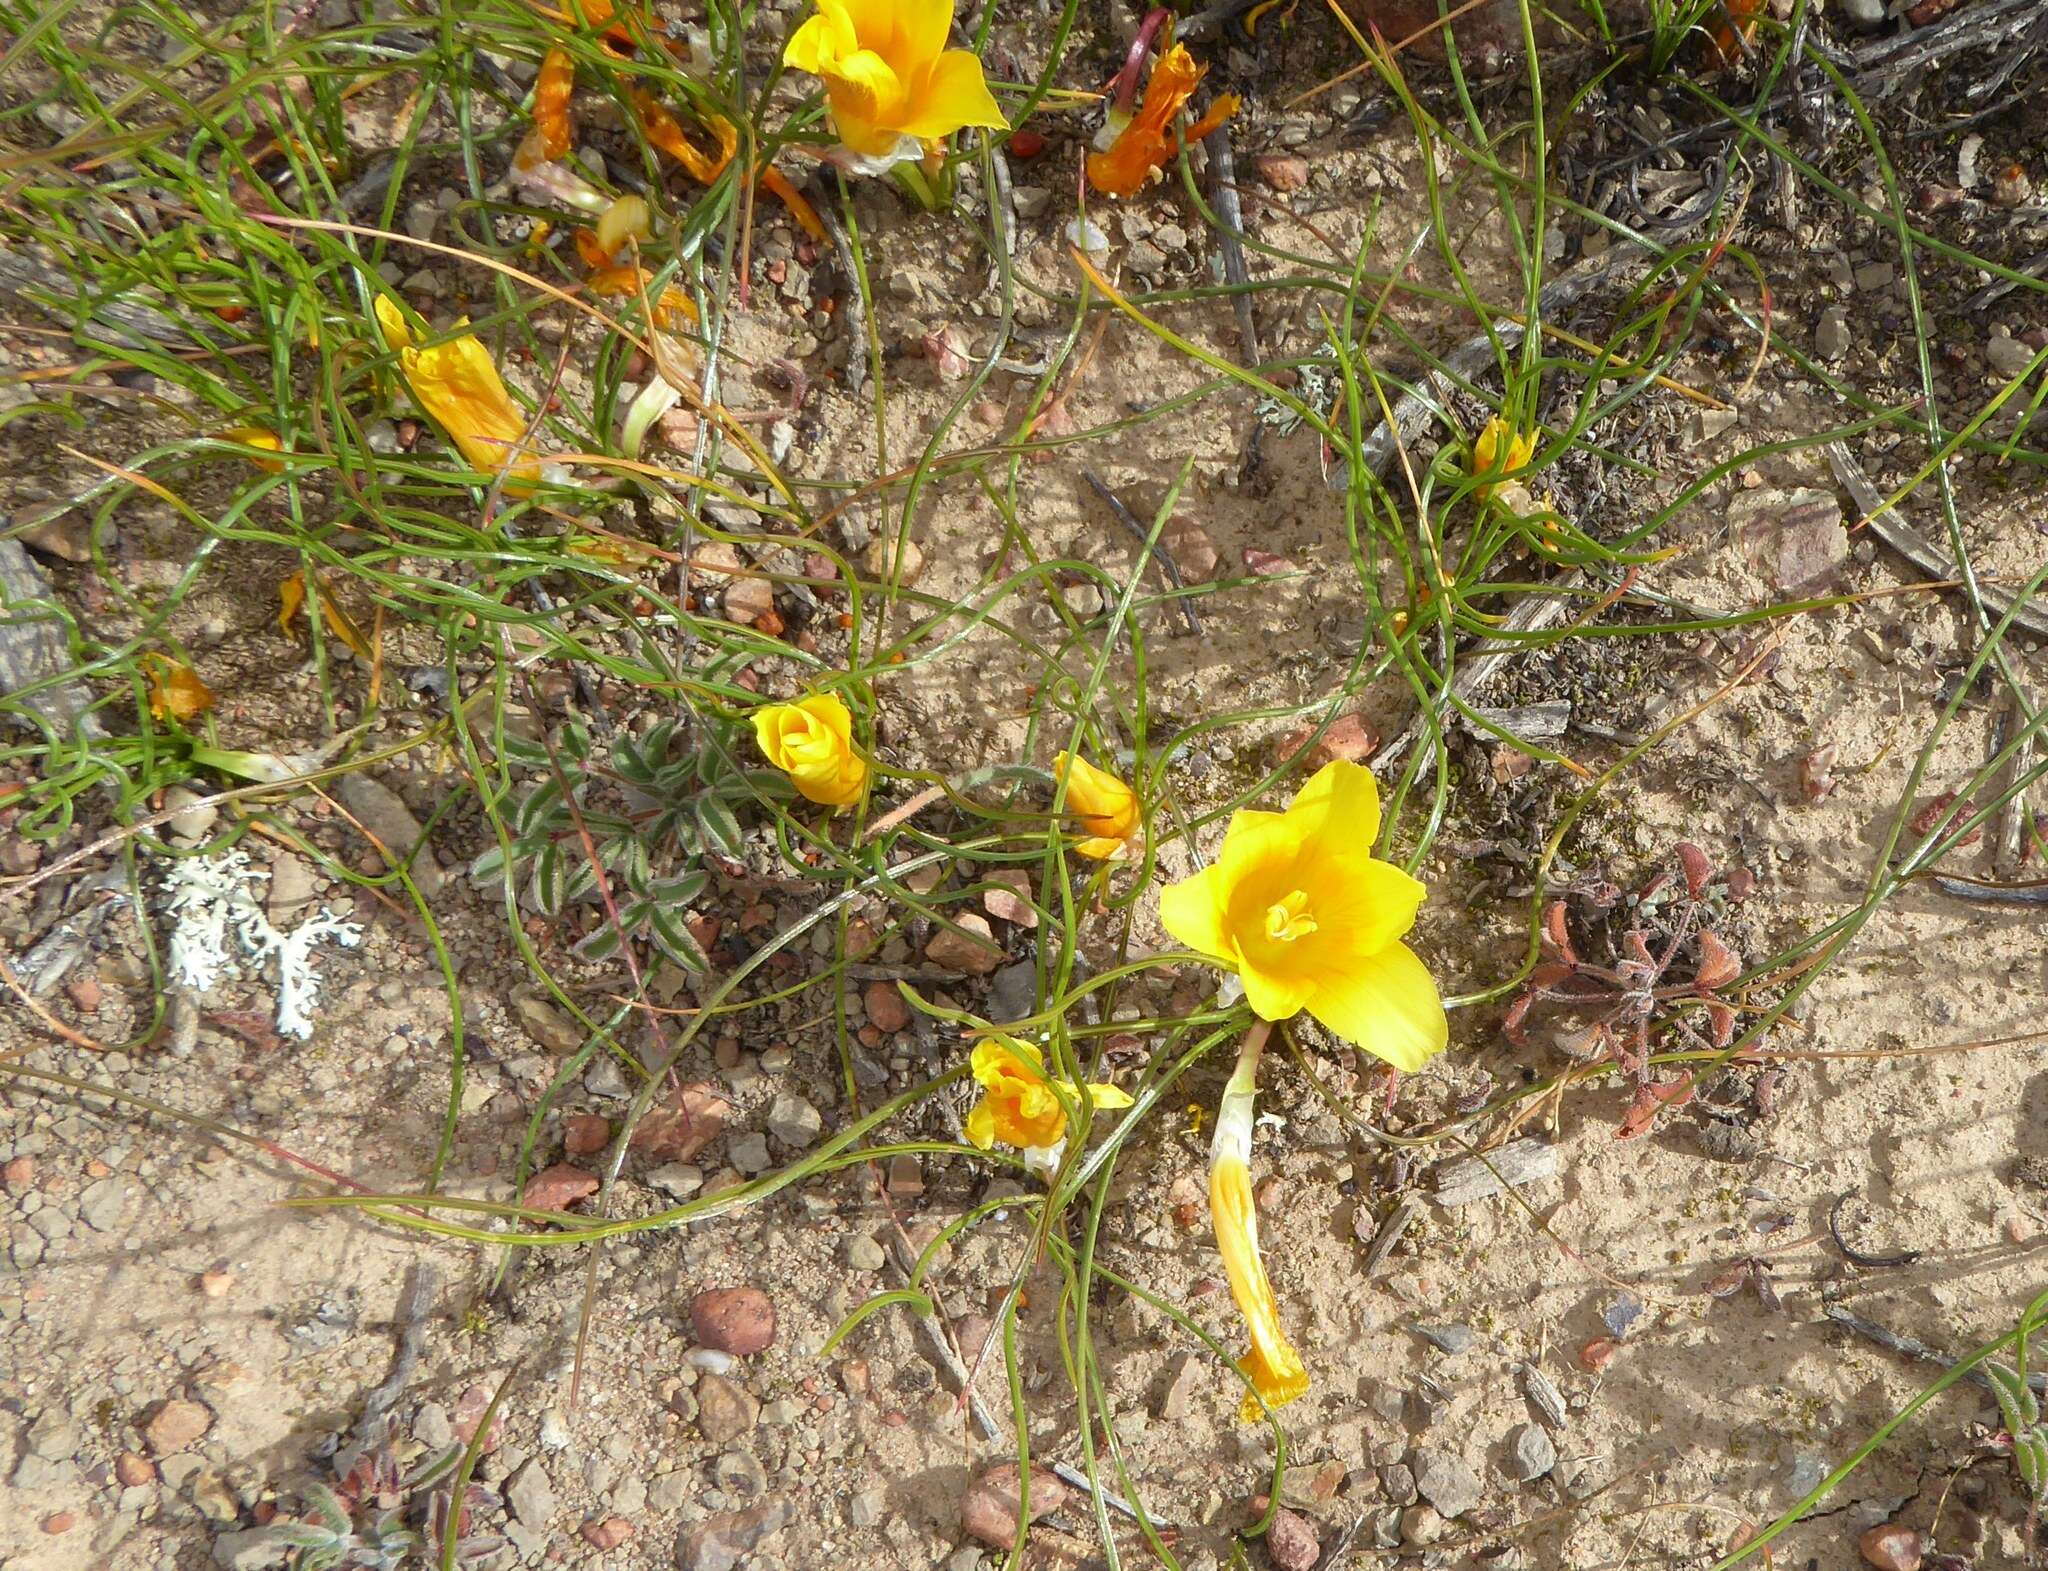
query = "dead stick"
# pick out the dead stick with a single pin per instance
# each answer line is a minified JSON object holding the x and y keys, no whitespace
{"x":1849,"y":1320}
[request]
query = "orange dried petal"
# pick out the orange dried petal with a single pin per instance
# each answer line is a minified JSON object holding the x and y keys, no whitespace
{"x":1146,"y":143}
{"x":666,"y":133}
{"x":806,"y":216}
{"x":175,"y":691}
{"x":588,"y":251}
{"x":551,"y":95}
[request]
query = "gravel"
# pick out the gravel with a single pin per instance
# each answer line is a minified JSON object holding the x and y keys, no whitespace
{"x":1443,"y":1479}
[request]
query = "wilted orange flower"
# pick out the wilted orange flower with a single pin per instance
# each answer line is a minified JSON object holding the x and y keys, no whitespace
{"x":175,"y":691}
{"x":291,"y":599}
{"x":624,"y":278}
{"x":551,"y":94}
{"x":1018,"y":1105}
{"x":1271,"y":1364}
{"x":1146,"y":142}
{"x":458,"y":386}
{"x":666,"y":133}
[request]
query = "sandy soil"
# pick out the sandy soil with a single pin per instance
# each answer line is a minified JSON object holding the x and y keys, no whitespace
{"x":182,"y":1357}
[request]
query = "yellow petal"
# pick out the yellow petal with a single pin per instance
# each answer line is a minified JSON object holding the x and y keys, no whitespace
{"x":397,"y":333}
{"x":954,"y":95}
{"x":996,"y":1055}
{"x":981,"y":1125}
{"x":821,"y":42}
{"x":922,"y":26}
{"x":1192,"y":912}
{"x":1107,"y":1095}
{"x":1387,"y":1005}
{"x":1360,"y":904}
{"x":1344,"y":794}
{"x":1277,"y":988}
{"x":1102,"y":848}
{"x":865,"y":87}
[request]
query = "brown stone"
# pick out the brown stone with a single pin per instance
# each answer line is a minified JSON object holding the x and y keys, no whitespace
{"x":585,"y":1134}
{"x":749,"y":601}
{"x":1191,"y":549}
{"x":683,"y":1126}
{"x":719,"y":1543}
{"x":559,"y":1187}
{"x":176,"y":1426}
{"x":133,"y":1469}
{"x":885,"y":1005}
{"x":973,"y":949}
{"x":737,"y":1320}
{"x":1280,"y":171}
{"x":1348,"y":739}
{"x":607,"y":1534}
{"x":60,"y":1522}
{"x":989,"y":1511}
{"x":1291,"y":1543}
{"x":1890,"y":1547}
{"x":725,"y":1411}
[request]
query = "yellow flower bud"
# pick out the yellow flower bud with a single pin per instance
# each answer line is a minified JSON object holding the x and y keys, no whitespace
{"x":811,"y":741}
{"x":1106,"y":808}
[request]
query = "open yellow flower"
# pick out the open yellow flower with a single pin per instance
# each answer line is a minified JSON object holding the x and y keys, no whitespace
{"x":1500,"y":449}
{"x":891,"y":82}
{"x":811,"y":741}
{"x":1018,"y":1105}
{"x":1106,"y":807}
{"x":1272,"y":1365}
{"x":1299,"y":907}
{"x":458,"y":387}
{"x":1145,"y":141}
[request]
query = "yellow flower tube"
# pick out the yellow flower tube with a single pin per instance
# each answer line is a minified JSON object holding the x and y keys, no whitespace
{"x":1271,"y":1364}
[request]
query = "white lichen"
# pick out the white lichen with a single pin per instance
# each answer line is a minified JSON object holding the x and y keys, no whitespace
{"x":219,"y":929}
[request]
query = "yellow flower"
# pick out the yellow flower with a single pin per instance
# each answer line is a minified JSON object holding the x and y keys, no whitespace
{"x":1145,"y":141}
{"x":1106,"y":807}
{"x":1500,"y":450}
{"x":258,"y":437}
{"x":890,"y":80}
{"x":458,"y":387}
{"x":1298,"y":906}
{"x":811,"y":741}
{"x":1018,"y":1105}
{"x":1272,"y":1365}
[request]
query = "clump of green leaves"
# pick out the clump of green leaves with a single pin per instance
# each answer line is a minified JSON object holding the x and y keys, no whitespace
{"x":2021,"y":1411}
{"x":361,"y":1524}
{"x":643,"y":809}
